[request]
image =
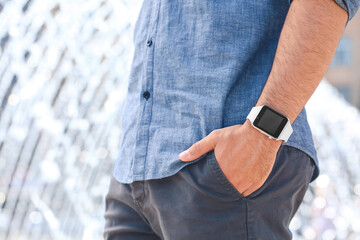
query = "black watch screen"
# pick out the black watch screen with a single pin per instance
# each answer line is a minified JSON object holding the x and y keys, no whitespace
{"x":270,"y":121}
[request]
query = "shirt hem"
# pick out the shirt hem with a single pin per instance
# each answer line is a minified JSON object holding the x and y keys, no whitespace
{"x":128,"y":180}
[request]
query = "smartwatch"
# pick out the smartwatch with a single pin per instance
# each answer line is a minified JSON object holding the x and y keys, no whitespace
{"x":270,"y":122}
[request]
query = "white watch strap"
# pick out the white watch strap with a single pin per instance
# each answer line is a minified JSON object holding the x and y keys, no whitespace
{"x":286,"y":132}
{"x":253,"y":113}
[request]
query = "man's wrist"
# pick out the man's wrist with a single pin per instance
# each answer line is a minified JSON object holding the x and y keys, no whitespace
{"x":261,"y":137}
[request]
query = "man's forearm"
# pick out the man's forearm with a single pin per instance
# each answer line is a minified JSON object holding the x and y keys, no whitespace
{"x":307,"y":44}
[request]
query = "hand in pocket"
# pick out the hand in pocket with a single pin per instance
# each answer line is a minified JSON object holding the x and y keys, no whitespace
{"x":245,"y":155}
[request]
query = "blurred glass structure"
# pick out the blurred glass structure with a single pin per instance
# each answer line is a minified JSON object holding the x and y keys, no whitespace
{"x":344,"y":71}
{"x":64,"y":67}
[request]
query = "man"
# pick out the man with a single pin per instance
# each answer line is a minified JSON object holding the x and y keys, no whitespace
{"x":227,"y":81}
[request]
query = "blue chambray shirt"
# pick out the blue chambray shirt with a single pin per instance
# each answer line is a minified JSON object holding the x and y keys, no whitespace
{"x":198,"y":66}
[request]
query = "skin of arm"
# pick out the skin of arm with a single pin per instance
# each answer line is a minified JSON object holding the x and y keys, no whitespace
{"x":307,"y":44}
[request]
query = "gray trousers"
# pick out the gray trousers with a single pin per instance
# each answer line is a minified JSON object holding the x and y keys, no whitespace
{"x":199,"y":203}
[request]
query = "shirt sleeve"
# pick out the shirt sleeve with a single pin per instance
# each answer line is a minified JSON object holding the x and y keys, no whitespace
{"x":350,"y":6}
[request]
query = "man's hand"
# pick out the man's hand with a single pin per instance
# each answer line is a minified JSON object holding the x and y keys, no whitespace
{"x":307,"y":44}
{"x":245,"y":155}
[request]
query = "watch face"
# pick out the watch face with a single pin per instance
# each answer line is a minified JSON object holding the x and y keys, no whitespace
{"x":270,"y":121}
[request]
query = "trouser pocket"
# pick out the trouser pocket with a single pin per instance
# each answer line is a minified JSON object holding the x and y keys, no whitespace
{"x":219,"y":176}
{"x":272,"y":206}
{"x":282,"y":163}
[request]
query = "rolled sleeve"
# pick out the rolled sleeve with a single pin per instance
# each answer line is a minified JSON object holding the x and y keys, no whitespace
{"x":350,"y":6}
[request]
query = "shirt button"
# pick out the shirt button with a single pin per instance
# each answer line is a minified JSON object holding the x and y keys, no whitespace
{"x":149,"y":43}
{"x":146,"y":95}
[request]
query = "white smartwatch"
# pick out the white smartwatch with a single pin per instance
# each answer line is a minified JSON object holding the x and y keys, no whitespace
{"x":270,"y":122}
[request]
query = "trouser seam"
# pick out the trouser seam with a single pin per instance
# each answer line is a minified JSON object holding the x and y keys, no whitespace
{"x":138,"y":204}
{"x":246,"y":218}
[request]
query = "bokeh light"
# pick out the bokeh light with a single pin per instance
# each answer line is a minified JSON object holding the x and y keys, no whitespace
{"x":63,"y":80}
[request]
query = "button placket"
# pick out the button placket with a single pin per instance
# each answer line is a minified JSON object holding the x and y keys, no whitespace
{"x":143,"y":134}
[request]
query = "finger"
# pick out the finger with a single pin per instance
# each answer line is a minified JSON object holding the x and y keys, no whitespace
{"x":252,"y":189}
{"x":247,"y":193}
{"x":199,"y":148}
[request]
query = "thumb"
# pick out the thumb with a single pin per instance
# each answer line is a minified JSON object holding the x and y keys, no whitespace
{"x":199,"y":148}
